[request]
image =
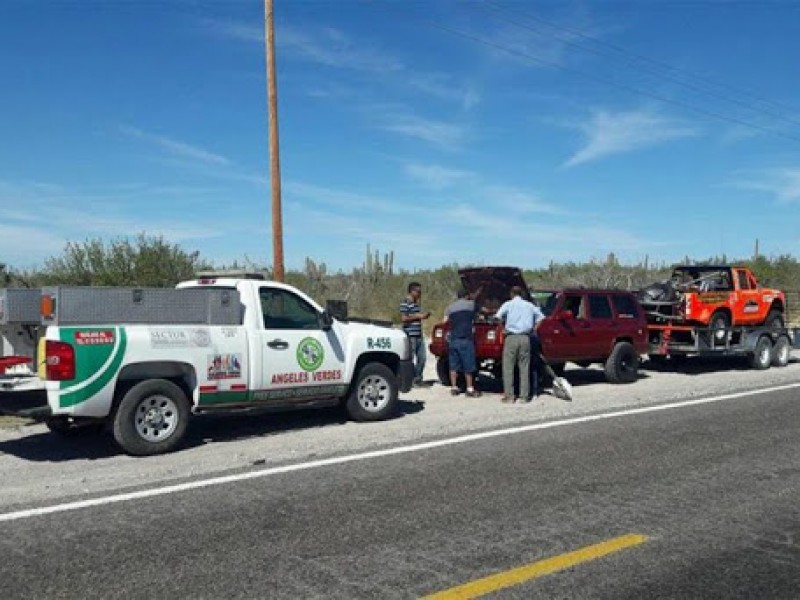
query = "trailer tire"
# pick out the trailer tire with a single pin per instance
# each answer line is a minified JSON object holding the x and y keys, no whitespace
{"x":762,"y":354}
{"x":781,"y":351}
{"x":623,"y":364}
{"x":151,"y":418}
{"x":373,"y":395}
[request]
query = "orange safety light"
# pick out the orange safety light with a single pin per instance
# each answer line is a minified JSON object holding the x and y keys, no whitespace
{"x":47,"y":307}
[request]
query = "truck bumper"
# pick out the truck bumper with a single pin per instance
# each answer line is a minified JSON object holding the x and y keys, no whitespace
{"x":32,"y":405}
{"x":405,"y":375}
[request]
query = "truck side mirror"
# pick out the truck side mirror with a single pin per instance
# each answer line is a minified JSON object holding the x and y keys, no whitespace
{"x":326,"y":321}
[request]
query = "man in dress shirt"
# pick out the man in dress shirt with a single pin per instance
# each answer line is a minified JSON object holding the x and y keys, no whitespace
{"x":519,"y":317}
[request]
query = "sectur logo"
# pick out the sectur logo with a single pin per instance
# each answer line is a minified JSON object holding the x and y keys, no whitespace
{"x":310,"y":354}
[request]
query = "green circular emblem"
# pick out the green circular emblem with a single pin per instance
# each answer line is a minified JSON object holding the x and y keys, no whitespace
{"x":310,"y":354}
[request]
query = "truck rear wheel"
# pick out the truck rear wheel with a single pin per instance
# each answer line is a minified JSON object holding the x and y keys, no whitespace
{"x":718,"y":326}
{"x":781,"y":351}
{"x":151,"y":418}
{"x":762,"y":354}
{"x":373,"y":396}
{"x":623,"y":364}
{"x":774,"y":320}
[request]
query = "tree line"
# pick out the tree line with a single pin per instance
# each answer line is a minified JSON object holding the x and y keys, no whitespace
{"x":373,"y":289}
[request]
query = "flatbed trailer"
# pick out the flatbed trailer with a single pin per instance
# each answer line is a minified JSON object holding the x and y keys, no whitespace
{"x":763,"y":346}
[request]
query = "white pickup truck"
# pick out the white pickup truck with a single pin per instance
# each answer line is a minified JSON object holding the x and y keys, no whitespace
{"x":140,"y":361}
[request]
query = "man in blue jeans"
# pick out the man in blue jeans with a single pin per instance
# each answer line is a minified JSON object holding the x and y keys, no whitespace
{"x":412,"y":317}
{"x":461,"y":347}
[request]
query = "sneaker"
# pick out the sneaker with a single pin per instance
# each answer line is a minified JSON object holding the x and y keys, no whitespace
{"x":456,"y":392}
{"x":473,"y":394}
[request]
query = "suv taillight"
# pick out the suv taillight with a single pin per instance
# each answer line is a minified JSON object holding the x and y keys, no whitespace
{"x":59,"y":361}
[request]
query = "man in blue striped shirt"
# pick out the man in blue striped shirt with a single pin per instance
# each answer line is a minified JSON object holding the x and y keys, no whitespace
{"x":412,"y":317}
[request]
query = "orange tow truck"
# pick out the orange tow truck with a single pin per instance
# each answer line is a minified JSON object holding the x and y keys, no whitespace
{"x":713,"y":309}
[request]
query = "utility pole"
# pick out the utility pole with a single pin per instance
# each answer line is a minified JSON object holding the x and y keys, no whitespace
{"x":274,"y":156}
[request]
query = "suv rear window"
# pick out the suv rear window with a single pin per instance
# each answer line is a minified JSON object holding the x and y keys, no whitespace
{"x":599,"y":307}
{"x":625,"y":305}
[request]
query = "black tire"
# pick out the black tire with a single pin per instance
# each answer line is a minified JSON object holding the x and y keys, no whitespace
{"x":718,"y":325}
{"x":623,"y":364}
{"x":443,"y":370}
{"x":775,"y":320}
{"x":65,"y":427}
{"x":373,"y":395}
{"x":151,"y":418}
{"x":761,"y":358}
{"x":781,"y":351}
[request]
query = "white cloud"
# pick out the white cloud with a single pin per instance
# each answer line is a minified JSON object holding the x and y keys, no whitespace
{"x":439,"y":133}
{"x":616,"y":133}
{"x":517,"y":200}
{"x":782,"y":183}
{"x":177,"y":147}
{"x":436,"y":177}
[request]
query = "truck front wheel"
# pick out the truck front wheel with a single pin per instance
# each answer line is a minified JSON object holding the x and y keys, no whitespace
{"x":443,"y":370}
{"x":623,"y":364}
{"x":373,"y":396}
{"x":151,"y":418}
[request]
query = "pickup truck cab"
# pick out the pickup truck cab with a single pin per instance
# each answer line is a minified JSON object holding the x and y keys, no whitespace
{"x":582,"y":326}
{"x":142,"y":371}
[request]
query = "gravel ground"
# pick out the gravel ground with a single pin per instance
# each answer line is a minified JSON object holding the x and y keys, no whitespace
{"x":37,"y":467}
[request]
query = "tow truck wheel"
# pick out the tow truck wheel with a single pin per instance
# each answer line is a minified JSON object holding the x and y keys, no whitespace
{"x":623,"y":364}
{"x":774,"y":320}
{"x":373,"y":397}
{"x":718,"y":325}
{"x":762,"y":354}
{"x":151,"y":418}
{"x":781,"y":351}
{"x":443,"y":370}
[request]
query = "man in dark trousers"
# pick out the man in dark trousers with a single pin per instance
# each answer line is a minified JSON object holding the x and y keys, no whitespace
{"x":412,"y":317}
{"x":461,"y":347}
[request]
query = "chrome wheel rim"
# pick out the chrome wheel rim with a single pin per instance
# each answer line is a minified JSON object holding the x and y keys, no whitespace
{"x":156,"y":418}
{"x":374,"y":393}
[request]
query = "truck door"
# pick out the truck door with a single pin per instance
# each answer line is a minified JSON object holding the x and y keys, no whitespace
{"x":299,"y":359}
{"x":562,"y":336}
{"x":750,"y":308}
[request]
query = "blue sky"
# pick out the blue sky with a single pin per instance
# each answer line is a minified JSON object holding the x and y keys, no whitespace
{"x":448,"y":132}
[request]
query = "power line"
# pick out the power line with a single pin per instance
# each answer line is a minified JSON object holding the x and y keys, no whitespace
{"x":611,"y":83}
{"x":631,"y":57}
{"x":646,"y":59}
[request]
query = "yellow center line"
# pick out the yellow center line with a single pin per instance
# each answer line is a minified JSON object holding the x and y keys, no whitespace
{"x":499,"y":581}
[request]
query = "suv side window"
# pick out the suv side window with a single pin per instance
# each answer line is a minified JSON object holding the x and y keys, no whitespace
{"x":599,"y":306}
{"x":283,"y":310}
{"x":575,"y":305}
{"x":625,"y":306}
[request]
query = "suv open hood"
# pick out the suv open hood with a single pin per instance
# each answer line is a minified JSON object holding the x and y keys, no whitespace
{"x":491,"y":284}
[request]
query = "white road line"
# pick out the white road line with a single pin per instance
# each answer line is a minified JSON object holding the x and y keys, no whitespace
{"x":314,"y":464}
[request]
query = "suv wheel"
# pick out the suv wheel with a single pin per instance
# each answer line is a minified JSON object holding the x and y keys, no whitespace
{"x":774,"y":320}
{"x":623,"y":364}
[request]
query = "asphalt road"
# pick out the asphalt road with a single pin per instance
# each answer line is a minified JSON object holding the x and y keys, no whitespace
{"x":714,"y":488}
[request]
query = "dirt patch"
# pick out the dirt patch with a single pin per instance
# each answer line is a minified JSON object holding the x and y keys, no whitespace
{"x":8,"y":422}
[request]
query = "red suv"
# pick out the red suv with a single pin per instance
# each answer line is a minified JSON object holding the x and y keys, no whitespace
{"x":582,"y":326}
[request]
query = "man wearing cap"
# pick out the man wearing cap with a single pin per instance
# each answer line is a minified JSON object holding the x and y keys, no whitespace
{"x":519,"y":317}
